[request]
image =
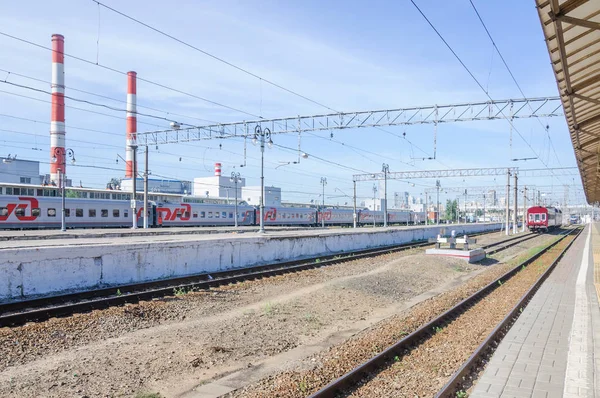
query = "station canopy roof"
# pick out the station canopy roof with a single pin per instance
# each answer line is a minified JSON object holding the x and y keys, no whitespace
{"x":572,"y":33}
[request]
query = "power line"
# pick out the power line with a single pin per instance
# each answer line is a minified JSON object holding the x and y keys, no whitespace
{"x":213,"y":56}
{"x":103,"y":96}
{"x":74,"y":107}
{"x":513,"y":76}
{"x":125,"y":73}
{"x":478,"y":83}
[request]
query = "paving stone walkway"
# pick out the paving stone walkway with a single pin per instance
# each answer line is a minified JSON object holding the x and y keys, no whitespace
{"x":553,"y":350}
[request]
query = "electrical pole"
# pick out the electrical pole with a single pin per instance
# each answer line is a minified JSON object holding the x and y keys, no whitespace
{"x":507,"y":202}
{"x":323,"y":182}
{"x":515,"y":216}
{"x":465,"y":206}
{"x":385,"y":168}
{"x":354,"y":215}
{"x":263,"y":134}
{"x":524,"y":208}
{"x":146,"y":189}
{"x":235,"y":178}
{"x":437,"y":185}
{"x":374,"y":192}
{"x":133,"y":187}
{"x":484,"y":208}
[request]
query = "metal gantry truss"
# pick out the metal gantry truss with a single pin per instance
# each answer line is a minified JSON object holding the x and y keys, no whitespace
{"x":433,"y":114}
{"x":479,"y":172}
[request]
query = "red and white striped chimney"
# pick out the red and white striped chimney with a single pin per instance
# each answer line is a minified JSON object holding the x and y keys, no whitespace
{"x":57,"y":117}
{"x":131,"y":122}
{"x":217,"y":169}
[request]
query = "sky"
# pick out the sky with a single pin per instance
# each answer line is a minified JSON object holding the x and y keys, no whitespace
{"x":345,"y":55}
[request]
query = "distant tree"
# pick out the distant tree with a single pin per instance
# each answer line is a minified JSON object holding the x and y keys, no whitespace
{"x":114,"y":183}
{"x":70,"y":194}
{"x":451,"y":209}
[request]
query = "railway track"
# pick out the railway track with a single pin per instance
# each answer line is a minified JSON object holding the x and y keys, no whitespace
{"x":370,"y":370}
{"x":20,"y":312}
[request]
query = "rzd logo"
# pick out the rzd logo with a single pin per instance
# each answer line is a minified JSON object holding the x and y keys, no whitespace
{"x":17,"y":207}
{"x":167,"y":214}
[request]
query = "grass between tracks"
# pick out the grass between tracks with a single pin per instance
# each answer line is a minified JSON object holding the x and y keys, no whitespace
{"x":423,"y":370}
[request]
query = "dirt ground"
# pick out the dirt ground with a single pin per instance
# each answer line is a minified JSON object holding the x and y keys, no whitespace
{"x":250,"y":329}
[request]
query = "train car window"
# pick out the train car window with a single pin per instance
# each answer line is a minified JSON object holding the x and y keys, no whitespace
{"x":217,"y":214}
{"x":543,"y":217}
{"x":16,"y":191}
{"x":230,"y":215}
{"x":116,"y":212}
{"x":125,"y":213}
{"x":30,"y":192}
{"x":9,"y":190}
{"x":36,"y":212}
{"x":195,"y":214}
{"x":186,"y":214}
{"x":51,"y":212}
{"x":0,"y":190}
{"x":78,"y":212}
{"x":202,"y":214}
{"x":104,"y":213}
{"x":40,"y":192}
{"x":20,"y":212}
{"x":91,"y":213}
{"x":3,"y":211}
{"x":224,"y":214}
{"x":209,"y":214}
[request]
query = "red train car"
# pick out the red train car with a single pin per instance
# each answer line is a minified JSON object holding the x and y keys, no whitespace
{"x":540,"y":218}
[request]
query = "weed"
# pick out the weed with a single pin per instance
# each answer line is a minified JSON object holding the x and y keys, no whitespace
{"x":179,"y":291}
{"x":437,"y":329}
{"x":521,"y":310}
{"x":310,"y":317}
{"x":499,"y":283}
{"x":119,"y":292}
{"x":303,"y":386}
{"x":461,"y":394}
{"x":396,"y":358}
{"x":318,"y":260}
{"x":269,"y":309}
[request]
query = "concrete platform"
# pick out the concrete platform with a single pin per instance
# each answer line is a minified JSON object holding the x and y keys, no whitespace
{"x":470,"y":256}
{"x":553,"y":349}
{"x":30,"y":268}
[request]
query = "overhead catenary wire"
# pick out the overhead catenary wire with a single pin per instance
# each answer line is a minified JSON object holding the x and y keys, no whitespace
{"x":125,"y":73}
{"x":261,"y":78}
{"x":513,"y":76}
{"x":477,"y":82}
{"x":69,"y":88}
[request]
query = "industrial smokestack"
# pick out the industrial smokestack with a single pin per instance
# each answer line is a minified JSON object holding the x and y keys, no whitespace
{"x":131,"y":123}
{"x":218,"y":169}
{"x":57,"y":117}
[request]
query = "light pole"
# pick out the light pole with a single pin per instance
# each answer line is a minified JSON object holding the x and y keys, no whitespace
{"x":354,"y":206}
{"x":262,"y":135}
{"x":323,"y":183}
{"x":385,"y":168}
{"x":62,"y":154}
{"x":235,"y":178}
{"x":465,"y":206}
{"x":374,"y":193}
{"x":484,"y":208}
{"x":438,"y":186}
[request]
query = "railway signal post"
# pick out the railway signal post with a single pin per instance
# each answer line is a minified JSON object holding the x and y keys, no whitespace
{"x":385,"y":168}
{"x":323,"y":183}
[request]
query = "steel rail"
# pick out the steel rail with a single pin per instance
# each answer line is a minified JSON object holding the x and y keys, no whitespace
{"x":359,"y":373}
{"x":20,"y":312}
{"x":455,"y":382}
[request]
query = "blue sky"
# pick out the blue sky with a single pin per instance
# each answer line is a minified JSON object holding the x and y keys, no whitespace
{"x":345,"y":54}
